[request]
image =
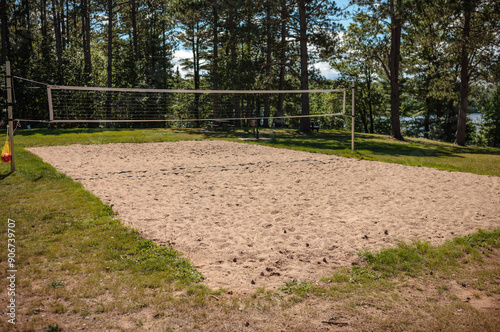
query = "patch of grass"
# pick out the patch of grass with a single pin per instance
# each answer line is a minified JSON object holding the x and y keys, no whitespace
{"x":58,"y":308}
{"x":53,"y":327}
{"x":47,"y":137}
{"x":297,"y":287}
{"x":56,"y":284}
{"x":442,"y":288}
{"x":479,"y":239}
{"x":407,"y":258}
{"x":149,"y":256}
{"x":361,"y":274}
{"x":85,"y":312}
{"x":100,"y":308}
{"x":413,"y":258}
{"x":380,"y":271}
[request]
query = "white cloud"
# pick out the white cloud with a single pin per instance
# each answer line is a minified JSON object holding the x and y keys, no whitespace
{"x":325,"y":70}
{"x":182,"y":54}
{"x":179,"y":56}
{"x":323,"y":67}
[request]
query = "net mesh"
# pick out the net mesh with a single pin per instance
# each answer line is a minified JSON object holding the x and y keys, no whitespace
{"x":39,"y":102}
{"x":189,"y":107}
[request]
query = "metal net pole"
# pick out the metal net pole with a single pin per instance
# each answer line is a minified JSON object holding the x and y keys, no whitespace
{"x":352,"y":115}
{"x":10,"y":127}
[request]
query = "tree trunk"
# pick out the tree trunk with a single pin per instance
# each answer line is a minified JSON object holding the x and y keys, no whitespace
{"x":427,"y":119}
{"x":134,"y":31}
{"x":370,"y":105}
{"x":267,"y":104}
{"x":43,"y":19}
{"x":135,"y":43}
{"x":283,"y":44}
{"x":27,"y":12}
{"x":64,"y":23}
{"x":236,"y":97}
{"x":464,"y":83}
{"x":305,"y":123}
{"x":43,"y":25}
{"x":26,"y":48}
{"x":394,"y":60}
{"x":86,"y":41}
{"x":362,"y":112}
{"x":109,"y":106}
{"x":196,"y":67}
{"x":215,"y":63}
{"x":57,"y":33}
{"x":76,"y":35}
{"x":450,"y":122}
{"x":110,"y":43}
{"x":5,"y":32}
{"x":166,"y":61}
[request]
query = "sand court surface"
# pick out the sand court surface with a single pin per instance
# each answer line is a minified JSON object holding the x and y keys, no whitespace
{"x":252,"y":216}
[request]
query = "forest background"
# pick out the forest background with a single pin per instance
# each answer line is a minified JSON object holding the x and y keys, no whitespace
{"x":420,"y":67}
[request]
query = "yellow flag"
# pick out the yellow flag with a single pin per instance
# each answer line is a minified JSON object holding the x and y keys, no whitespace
{"x":6,"y":156}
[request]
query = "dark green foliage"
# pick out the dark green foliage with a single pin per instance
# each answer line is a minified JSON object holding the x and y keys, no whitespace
{"x":492,"y":120}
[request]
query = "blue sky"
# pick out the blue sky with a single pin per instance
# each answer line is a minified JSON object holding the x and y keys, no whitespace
{"x":324,"y":67}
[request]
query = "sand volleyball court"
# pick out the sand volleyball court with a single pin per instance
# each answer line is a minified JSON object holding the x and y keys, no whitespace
{"x":251,"y":216}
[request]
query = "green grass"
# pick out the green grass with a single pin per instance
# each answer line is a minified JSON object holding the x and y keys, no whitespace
{"x":413,"y":152}
{"x":416,"y":257}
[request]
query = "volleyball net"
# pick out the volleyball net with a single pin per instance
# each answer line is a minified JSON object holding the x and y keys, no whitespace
{"x":39,"y":102}
{"x":188,"y":107}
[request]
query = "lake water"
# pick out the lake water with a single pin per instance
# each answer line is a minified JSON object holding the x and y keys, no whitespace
{"x":476,"y":117}
{"x":408,"y":123}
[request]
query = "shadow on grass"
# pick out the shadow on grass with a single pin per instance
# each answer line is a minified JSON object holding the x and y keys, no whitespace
{"x":5,"y":175}
{"x":332,"y":142}
{"x":412,"y":143}
{"x":322,"y":142}
{"x":65,"y":131}
{"x":225,"y":134}
{"x":327,"y":142}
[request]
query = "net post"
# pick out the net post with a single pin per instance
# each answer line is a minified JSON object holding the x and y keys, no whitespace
{"x":343,"y":102}
{"x":352,"y":118}
{"x":51,"y":107}
{"x":10,"y":127}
